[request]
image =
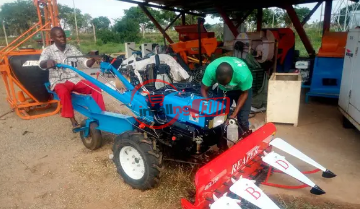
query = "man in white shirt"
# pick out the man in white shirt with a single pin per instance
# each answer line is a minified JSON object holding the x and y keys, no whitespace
{"x":64,"y":81}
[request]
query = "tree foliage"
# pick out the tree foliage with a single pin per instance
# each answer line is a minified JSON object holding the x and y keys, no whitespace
{"x":127,"y":30}
{"x":135,"y":14}
{"x":101,"y":23}
{"x":18,"y":16}
{"x":67,"y":17}
{"x":301,"y":12}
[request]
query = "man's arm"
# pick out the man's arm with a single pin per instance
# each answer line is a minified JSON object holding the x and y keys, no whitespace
{"x":204,"y":90}
{"x":46,"y":64}
{"x":45,"y":61}
{"x":207,"y":80}
{"x":87,"y":62}
{"x":240,"y":103}
{"x":245,"y":86}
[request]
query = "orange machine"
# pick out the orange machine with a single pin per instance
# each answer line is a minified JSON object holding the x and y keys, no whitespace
{"x":333,"y":44}
{"x":24,"y":80}
{"x":188,"y":45}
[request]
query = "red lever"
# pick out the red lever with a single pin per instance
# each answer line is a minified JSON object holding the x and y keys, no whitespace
{"x":142,"y":126}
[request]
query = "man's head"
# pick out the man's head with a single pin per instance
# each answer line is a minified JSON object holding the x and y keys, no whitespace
{"x":58,"y":36}
{"x":224,"y":73}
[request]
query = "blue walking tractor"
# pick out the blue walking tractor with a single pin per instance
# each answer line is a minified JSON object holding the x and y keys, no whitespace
{"x":174,"y":119}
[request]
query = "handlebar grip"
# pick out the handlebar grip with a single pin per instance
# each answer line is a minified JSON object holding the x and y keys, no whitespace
{"x":86,"y":56}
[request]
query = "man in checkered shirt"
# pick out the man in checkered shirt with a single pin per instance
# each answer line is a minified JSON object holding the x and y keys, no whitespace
{"x":64,"y":81}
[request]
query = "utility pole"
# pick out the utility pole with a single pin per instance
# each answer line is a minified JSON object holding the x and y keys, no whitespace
{"x":321,"y":16}
{"x":346,"y":14}
{"x":93,"y":26}
{"x":76,"y":27}
{"x":273,"y":20}
{"x":7,"y":43}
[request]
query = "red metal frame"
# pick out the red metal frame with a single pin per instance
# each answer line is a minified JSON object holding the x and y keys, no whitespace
{"x":242,"y":19}
{"x":157,"y":25}
{"x":266,"y":182}
{"x":228,"y":22}
{"x":172,"y":22}
{"x":243,"y":159}
{"x":300,"y":30}
{"x":307,"y":18}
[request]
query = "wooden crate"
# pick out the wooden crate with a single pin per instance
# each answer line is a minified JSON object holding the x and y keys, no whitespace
{"x":284,"y":98}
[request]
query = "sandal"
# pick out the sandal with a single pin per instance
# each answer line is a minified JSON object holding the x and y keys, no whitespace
{"x":75,"y":126}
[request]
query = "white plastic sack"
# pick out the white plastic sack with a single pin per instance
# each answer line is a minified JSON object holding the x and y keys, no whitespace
{"x":177,"y":73}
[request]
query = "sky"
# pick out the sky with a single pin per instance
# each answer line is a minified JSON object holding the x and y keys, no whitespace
{"x":115,"y":9}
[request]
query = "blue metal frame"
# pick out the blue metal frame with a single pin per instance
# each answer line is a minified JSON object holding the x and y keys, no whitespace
{"x":110,"y":122}
{"x":118,"y":123}
{"x":325,"y":68}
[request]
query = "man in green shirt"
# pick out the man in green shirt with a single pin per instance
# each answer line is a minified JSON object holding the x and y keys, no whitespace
{"x":235,"y":80}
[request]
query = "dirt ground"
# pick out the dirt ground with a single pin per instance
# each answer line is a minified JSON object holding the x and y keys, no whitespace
{"x":44,"y":165}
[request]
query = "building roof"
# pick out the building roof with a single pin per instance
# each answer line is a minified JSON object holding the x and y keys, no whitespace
{"x":208,"y":6}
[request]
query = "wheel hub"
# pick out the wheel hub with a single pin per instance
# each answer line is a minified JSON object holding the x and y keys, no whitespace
{"x":131,"y":162}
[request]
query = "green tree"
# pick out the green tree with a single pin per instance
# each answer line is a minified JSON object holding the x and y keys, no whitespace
{"x":107,"y":36}
{"x":136,"y":15}
{"x":79,"y":18}
{"x":65,"y":13}
{"x":127,"y":30}
{"x":301,"y":12}
{"x":101,"y":23}
{"x":270,"y":17}
{"x":18,"y":16}
{"x":87,"y":22}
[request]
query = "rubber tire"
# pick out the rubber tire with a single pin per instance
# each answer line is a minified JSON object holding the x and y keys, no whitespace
{"x":152,"y":159}
{"x":95,"y":136}
{"x":347,"y":124}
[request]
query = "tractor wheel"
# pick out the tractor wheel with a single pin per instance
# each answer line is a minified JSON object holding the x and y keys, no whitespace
{"x":137,"y":161}
{"x":94,"y":139}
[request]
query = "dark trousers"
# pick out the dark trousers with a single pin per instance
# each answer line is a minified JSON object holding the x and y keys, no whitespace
{"x":243,"y":115}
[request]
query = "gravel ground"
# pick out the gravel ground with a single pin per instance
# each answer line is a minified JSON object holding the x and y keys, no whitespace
{"x":44,"y":165}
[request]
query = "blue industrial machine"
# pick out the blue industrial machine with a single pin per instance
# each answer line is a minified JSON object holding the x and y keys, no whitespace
{"x":328,"y":66}
{"x":173,"y":116}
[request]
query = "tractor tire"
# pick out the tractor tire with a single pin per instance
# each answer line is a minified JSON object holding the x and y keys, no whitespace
{"x":347,"y":124}
{"x":137,"y":161}
{"x":94,"y":139}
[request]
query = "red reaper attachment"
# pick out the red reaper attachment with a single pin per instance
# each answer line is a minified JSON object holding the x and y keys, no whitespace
{"x":249,"y":161}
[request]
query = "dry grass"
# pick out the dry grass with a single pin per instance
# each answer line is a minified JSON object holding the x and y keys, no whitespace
{"x":291,"y":202}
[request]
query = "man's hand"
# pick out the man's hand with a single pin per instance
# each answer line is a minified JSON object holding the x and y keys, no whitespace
{"x":90,"y":62}
{"x":233,"y":117}
{"x":48,"y":64}
{"x":240,"y":102}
